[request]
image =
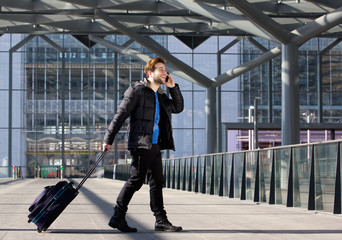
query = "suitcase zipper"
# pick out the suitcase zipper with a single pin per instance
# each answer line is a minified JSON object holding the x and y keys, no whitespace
{"x":49,"y":205}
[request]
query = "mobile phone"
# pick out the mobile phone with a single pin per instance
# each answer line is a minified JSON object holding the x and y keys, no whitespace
{"x":167,"y":77}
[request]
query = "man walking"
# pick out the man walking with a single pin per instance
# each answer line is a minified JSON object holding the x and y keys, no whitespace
{"x":150,"y":131}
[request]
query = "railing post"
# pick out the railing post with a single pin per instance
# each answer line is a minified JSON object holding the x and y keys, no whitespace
{"x":168,"y":163}
{"x":204,"y":181}
{"x":174,"y":174}
{"x":337,"y":199}
{"x":221,"y":177}
{"x":272,"y":184}
{"x":243,"y":181}
{"x":231,"y":185}
{"x":190,"y":174}
{"x":311,"y":201}
{"x":178,"y":173}
{"x":257,"y":179}
{"x":184,"y":174}
{"x":197,"y":175}
{"x":212,"y":178}
{"x":289,"y":202}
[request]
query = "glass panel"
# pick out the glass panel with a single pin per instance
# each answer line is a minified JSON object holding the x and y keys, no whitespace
{"x":198,"y":113}
{"x":177,"y":173}
{"x":183,"y":142}
{"x":238,"y":170}
{"x":217,"y":173}
{"x":301,"y":175}
{"x":4,"y":147}
{"x":4,"y":111}
{"x":325,"y":175}
{"x":193,"y":171}
{"x":187,"y":174}
{"x":265,"y":172}
{"x":165,"y":172}
{"x":282,"y":164}
{"x":227,"y":171}
{"x":251,"y":165}
{"x":182,"y":181}
{"x":201,"y":185}
{"x":208,"y":173}
{"x":172,"y":174}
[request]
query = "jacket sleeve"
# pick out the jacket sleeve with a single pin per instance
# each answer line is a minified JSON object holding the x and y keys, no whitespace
{"x":125,"y":109}
{"x":177,"y":101}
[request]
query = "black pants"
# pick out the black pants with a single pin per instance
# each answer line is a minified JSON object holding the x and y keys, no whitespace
{"x":142,"y":161}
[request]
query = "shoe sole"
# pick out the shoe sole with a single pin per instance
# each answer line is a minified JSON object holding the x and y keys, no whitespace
{"x":121,"y":230}
{"x":167,"y":230}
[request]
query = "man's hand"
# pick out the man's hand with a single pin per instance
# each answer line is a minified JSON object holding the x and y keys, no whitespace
{"x":170,"y":83}
{"x":106,"y":147}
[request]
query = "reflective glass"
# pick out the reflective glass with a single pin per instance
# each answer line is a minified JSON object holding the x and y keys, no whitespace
{"x":238,"y":171}
{"x":208,"y":174}
{"x":188,"y":170}
{"x":193,"y":171}
{"x":301,"y":175}
{"x":265,"y":172}
{"x":201,"y":180}
{"x":217,"y":173}
{"x":251,"y":165}
{"x":182,"y":173}
{"x":325,"y":174}
{"x":177,"y":174}
{"x":227,"y":172}
{"x":282,"y":164}
{"x":172,"y":174}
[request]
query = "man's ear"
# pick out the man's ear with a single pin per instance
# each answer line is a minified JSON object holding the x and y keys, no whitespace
{"x":149,"y":73}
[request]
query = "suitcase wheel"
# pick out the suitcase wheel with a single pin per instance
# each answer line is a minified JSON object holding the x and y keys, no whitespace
{"x":39,"y":230}
{"x":29,"y":221}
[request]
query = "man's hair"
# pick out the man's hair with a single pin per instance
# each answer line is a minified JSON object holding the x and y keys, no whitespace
{"x":150,"y":64}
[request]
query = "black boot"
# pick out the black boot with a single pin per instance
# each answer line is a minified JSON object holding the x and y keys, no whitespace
{"x":165,"y":225}
{"x":118,"y":221}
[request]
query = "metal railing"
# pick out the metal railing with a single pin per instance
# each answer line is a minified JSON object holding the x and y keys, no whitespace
{"x":305,"y":175}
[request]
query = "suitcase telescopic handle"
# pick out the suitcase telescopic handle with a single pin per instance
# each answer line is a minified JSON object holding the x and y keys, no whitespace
{"x":91,"y":170}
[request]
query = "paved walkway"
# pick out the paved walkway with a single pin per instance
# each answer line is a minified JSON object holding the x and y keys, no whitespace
{"x":201,"y":216}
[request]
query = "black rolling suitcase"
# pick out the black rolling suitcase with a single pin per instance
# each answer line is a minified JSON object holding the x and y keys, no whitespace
{"x":54,"y":199}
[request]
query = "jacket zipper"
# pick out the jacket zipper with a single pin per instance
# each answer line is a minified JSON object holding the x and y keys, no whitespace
{"x":139,"y":163}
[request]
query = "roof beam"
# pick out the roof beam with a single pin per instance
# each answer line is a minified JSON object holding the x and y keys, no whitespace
{"x":331,"y":46}
{"x":267,"y":23}
{"x":300,"y":36}
{"x":52,"y":43}
{"x":155,"y":47}
{"x":136,"y":55}
{"x":231,"y":44}
{"x":328,"y":3}
{"x":257,"y":44}
{"x":243,"y":68}
{"x":316,"y":27}
{"x":231,"y":19}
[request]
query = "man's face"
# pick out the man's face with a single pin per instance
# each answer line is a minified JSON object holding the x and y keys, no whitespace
{"x":159,"y":74}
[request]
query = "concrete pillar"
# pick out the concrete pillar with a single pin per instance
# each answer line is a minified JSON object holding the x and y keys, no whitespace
{"x":290,"y":129}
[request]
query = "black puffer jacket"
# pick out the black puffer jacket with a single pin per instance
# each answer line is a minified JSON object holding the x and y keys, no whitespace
{"x":139,"y":105}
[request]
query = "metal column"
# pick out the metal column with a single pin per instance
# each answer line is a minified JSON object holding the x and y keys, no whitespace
{"x":210,"y":110}
{"x":10,"y":96}
{"x":290,"y":130}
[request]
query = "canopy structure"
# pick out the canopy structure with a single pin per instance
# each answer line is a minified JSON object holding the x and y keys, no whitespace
{"x":288,"y":23}
{"x":273,"y":20}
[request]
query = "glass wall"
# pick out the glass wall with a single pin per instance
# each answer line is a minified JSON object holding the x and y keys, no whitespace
{"x":60,"y":113}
